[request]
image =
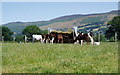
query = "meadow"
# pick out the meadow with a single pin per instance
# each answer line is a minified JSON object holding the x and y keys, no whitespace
{"x":59,"y":58}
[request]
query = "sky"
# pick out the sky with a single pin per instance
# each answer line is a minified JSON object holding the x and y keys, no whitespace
{"x":42,"y":11}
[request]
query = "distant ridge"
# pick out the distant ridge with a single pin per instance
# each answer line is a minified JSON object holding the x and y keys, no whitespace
{"x":65,"y":22}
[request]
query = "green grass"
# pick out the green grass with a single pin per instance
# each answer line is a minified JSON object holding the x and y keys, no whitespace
{"x":59,"y":58}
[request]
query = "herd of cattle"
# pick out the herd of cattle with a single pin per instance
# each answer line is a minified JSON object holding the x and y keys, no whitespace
{"x":73,"y":37}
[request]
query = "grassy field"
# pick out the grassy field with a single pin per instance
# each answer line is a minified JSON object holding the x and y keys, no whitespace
{"x":59,"y":58}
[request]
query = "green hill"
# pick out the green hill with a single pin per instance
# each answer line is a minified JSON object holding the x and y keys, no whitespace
{"x":67,"y":22}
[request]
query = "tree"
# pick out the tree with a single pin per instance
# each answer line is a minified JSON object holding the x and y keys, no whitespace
{"x":114,"y":27}
{"x":19,"y":38}
{"x":30,"y":30}
{"x":6,"y":33}
{"x":102,"y":38}
{"x":43,"y":32}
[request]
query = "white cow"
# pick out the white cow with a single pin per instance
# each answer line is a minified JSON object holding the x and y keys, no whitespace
{"x":92,"y":41}
{"x":96,"y":43}
{"x":37,"y":37}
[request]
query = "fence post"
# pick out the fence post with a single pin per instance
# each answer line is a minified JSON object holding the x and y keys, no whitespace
{"x":25,"y":38}
{"x":115,"y":36}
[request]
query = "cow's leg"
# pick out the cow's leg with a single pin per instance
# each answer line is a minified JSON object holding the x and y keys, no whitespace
{"x":81,"y":42}
{"x":48,"y":41}
{"x":33,"y":40}
{"x":61,"y":40}
{"x":58,"y":40}
{"x":92,"y":41}
{"x":41,"y":41}
{"x":78,"y":41}
{"x":52,"y":40}
{"x":75,"y":41}
{"x":44,"y":40}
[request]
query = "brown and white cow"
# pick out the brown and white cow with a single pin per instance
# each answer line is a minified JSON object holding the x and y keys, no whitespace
{"x":56,"y":37}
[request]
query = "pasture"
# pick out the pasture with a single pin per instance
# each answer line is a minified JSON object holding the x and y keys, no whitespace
{"x":59,"y":58}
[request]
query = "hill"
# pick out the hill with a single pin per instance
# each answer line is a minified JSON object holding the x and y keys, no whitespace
{"x":83,"y":22}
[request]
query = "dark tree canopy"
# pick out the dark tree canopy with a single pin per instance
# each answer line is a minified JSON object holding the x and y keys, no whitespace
{"x":30,"y":30}
{"x":44,"y":32}
{"x":115,"y":23}
{"x":6,"y":33}
{"x":19,"y":38}
{"x":114,"y":26}
{"x":110,"y":33}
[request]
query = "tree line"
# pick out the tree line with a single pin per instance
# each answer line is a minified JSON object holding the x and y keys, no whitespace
{"x":8,"y":35}
{"x":112,"y":32}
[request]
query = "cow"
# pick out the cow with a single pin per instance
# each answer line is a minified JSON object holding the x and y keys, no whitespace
{"x":96,"y":43}
{"x":60,"y":38}
{"x":68,"y":37}
{"x":51,"y":38}
{"x":37,"y":37}
{"x":56,"y":37}
{"x":91,"y":38}
{"x":46,"y":38}
{"x":84,"y":37}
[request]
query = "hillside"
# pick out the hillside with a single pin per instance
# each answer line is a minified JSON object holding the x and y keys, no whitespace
{"x":83,"y":22}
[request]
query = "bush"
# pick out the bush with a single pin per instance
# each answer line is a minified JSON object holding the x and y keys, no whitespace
{"x":102,"y":38}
